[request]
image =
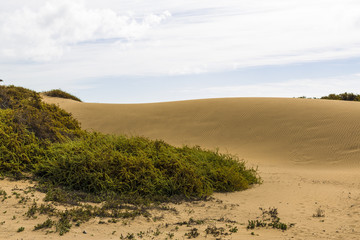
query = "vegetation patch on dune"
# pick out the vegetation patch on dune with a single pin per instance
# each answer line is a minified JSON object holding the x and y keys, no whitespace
{"x":45,"y":143}
{"x":140,"y":167}
{"x":61,"y":94}
{"x":43,"y":139}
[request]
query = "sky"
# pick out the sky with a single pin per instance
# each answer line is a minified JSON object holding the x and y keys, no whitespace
{"x":139,"y":51}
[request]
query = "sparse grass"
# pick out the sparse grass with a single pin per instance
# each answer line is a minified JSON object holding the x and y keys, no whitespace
{"x":61,"y":94}
{"x":269,"y":218}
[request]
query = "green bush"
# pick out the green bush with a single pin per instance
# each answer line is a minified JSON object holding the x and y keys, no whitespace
{"x":61,"y":94}
{"x":140,"y":167}
{"x":28,"y":126}
{"x":343,"y":96}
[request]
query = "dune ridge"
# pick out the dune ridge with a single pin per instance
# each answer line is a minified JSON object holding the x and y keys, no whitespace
{"x":267,"y":131}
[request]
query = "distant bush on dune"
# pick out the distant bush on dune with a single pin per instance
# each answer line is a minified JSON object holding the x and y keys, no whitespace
{"x":47,"y":143}
{"x":343,"y":96}
{"x":61,"y":94}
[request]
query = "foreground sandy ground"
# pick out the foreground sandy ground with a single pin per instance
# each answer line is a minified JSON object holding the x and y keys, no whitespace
{"x":307,"y":152}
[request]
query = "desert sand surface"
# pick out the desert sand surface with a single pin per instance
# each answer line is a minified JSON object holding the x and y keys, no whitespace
{"x":307,"y":152}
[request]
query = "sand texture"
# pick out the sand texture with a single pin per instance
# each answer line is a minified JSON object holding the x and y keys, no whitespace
{"x":307,"y":152}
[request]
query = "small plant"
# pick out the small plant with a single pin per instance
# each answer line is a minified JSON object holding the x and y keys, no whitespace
{"x":128,"y":236}
{"x":233,"y":229}
{"x":157,"y":232}
{"x":47,"y":224}
{"x":140,"y":234}
{"x":215,"y":231}
{"x":319,"y":213}
{"x":113,"y":220}
{"x":158,"y":218}
{"x":17,"y":195}
{"x":3,"y":194}
{"x":20,"y":229}
{"x":269,"y":219}
{"x":32,"y":211}
{"x":63,"y":225}
{"x":193,"y":233}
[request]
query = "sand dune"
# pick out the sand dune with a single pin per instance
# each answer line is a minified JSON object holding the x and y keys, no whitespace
{"x":270,"y":131}
{"x":307,"y":152}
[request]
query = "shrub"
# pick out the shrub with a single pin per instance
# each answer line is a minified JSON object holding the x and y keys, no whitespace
{"x":343,"y":96}
{"x":28,"y":126}
{"x":61,"y":94}
{"x":140,"y":167}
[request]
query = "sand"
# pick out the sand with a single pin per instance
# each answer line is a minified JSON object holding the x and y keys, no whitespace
{"x":307,"y":152}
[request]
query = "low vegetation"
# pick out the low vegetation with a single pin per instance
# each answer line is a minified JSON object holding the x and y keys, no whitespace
{"x":27,"y":127}
{"x":139,"y":167}
{"x":269,"y":218}
{"x":45,"y":143}
{"x":343,"y":96}
{"x":61,"y":94}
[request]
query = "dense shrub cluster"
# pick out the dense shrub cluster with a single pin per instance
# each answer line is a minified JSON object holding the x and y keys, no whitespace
{"x":61,"y":94}
{"x":343,"y":96}
{"x":141,"y":167}
{"x":44,"y":140}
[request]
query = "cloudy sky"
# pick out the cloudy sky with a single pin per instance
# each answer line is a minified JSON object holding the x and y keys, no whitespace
{"x":135,"y":51}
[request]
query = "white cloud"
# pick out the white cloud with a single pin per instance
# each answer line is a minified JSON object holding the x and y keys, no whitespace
{"x":43,"y":34}
{"x":223,"y":35}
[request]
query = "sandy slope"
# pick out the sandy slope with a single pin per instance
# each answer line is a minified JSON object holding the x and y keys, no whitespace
{"x":270,"y":131}
{"x":307,"y":152}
